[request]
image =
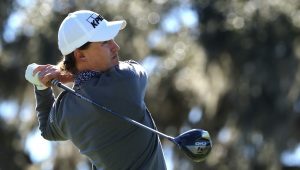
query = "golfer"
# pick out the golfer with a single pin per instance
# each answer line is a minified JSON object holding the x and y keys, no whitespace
{"x":91,"y":62}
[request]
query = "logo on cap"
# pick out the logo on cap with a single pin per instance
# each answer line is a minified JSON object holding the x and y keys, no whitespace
{"x":95,"y":19}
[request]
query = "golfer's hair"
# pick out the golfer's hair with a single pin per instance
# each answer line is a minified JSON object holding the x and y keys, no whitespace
{"x":68,"y":63}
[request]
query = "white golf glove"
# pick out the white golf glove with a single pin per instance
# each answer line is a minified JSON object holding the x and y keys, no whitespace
{"x":34,"y":79}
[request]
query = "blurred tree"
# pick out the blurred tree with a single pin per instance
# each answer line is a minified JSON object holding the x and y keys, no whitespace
{"x":12,"y":155}
{"x":226,"y":66}
{"x":259,"y":41}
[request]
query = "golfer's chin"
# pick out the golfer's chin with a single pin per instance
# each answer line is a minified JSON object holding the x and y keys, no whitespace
{"x":115,"y":61}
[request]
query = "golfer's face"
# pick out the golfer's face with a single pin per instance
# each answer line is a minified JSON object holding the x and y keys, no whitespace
{"x":101,"y":56}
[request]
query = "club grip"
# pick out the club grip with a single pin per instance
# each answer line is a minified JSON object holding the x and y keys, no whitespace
{"x":55,"y":82}
{"x":59,"y":84}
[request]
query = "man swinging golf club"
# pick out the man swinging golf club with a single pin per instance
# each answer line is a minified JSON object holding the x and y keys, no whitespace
{"x":102,"y":82}
{"x":91,"y":61}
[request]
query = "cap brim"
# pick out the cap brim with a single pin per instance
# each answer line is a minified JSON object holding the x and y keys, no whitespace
{"x":107,"y":30}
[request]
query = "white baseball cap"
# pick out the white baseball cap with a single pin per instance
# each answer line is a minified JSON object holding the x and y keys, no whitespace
{"x":85,"y":26}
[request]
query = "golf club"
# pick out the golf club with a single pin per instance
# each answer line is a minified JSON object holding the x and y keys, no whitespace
{"x":195,"y":143}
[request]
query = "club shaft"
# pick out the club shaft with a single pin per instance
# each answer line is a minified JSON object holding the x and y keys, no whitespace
{"x":68,"y":89}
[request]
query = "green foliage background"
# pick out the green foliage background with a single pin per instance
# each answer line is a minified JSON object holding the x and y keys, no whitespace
{"x":239,"y":65}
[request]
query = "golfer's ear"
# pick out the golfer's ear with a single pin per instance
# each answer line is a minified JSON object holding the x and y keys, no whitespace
{"x":79,"y":56}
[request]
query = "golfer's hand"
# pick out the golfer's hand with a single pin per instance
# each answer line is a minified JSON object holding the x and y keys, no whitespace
{"x":48,"y":72}
{"x":41,"y":75}
{"x":33,"y":78}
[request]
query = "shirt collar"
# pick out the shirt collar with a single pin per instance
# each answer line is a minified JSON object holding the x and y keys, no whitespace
{"x":85,"y":76}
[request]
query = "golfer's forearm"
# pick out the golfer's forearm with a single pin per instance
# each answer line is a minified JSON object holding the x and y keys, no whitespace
{"x":44,"y":103}
{"x":44,"y":100}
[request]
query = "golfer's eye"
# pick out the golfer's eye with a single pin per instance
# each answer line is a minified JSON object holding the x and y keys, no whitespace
{"x":105,"y":42}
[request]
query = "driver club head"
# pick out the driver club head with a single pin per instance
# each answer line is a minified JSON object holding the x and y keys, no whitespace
{"x":195,"y":143}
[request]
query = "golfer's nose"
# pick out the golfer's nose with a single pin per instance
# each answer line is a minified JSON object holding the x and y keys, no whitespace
{"x":114,"y":46}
